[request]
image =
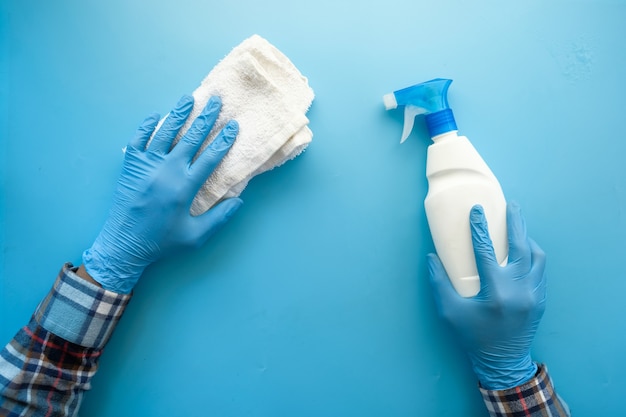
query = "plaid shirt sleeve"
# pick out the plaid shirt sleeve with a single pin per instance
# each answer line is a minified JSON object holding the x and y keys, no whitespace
{"x":536,"y":398}
{"x":48,"y":365}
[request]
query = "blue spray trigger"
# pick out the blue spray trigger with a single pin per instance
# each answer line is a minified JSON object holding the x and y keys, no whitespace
{"x":429,"y":98}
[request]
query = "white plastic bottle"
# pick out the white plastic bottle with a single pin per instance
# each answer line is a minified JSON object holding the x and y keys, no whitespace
{"x":458,"y":178}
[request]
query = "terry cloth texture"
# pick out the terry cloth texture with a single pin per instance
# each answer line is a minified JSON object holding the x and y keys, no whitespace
{"x":266,"y":94}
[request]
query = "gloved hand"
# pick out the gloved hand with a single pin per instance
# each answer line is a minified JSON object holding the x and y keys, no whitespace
{"x":497,"y":326}
{"x":150,"y":215}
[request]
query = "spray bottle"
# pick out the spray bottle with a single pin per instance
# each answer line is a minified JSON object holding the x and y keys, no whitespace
{"x":458,"y":178}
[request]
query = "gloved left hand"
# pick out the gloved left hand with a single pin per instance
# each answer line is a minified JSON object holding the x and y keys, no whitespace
{"x":497,"y":326}
{"x":150,"y":216}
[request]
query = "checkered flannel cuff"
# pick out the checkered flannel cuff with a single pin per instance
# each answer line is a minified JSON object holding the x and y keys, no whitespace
{"x":535,"y":397}
{"x":79,"y":311}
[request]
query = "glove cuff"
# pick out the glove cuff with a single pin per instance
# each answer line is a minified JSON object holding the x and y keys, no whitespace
{"x":113,"y":274}
{"x":506,"y":374}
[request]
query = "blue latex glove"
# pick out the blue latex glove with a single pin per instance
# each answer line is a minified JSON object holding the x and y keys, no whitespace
{"x":497,"y":326}
{"x":150,"y":215}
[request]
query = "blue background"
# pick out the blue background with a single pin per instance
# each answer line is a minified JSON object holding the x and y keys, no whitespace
{"x":314,"y":299}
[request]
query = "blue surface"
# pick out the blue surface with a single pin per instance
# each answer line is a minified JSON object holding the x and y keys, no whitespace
{"x":314,"y":300}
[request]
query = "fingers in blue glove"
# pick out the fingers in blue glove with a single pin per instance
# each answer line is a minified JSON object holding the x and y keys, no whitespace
{"x":537,"y":272}
{"x":200,"y":128}
{"x":481,"y":241}
{"x":213,"y":154}
{"x":483,"y":248}
{"x":144,"y":132}
{"x":519,"y":248}
{"x":162,"y":141}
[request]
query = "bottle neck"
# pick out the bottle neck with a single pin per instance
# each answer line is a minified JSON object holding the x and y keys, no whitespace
{"x":445,"y":136}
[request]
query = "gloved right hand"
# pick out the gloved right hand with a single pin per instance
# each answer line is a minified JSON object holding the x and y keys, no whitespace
{"x":497,"y":326}
{"x":150,"y":216}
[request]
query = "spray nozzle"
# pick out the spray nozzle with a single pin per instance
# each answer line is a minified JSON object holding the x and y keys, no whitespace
{"x":429,"y":98}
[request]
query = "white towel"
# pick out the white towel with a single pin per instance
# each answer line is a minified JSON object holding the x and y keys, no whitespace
{"x":267,"y":95}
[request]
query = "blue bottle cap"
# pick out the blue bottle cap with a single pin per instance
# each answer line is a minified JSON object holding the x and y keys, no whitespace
{"x":440,"y":122}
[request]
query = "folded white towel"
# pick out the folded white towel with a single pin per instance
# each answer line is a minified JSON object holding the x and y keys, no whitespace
{"x":268,"y":96}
